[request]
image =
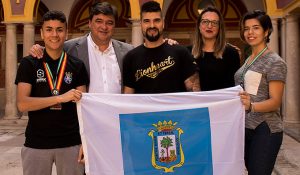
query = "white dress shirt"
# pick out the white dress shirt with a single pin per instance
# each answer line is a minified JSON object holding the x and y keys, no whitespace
{"x":105,"y":74}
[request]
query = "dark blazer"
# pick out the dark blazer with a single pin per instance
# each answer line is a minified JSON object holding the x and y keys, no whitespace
{"x":78,"y":47}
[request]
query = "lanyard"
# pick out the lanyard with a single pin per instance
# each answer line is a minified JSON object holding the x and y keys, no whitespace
{"x":247,"y":66}
{"x":55,"y":83}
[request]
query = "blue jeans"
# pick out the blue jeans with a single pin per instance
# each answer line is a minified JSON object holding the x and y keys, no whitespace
{"x":261,"y":149}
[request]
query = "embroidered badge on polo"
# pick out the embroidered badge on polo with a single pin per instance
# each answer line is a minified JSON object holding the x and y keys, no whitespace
{"x":68,"y":77}
{"x":40,"y":76}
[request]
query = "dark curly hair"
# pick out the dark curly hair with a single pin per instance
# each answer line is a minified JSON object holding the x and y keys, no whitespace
{"x":54,"y":15}
{"x":150,"y":6}
{"x":104,"y":8}
{"x":262,"y":17}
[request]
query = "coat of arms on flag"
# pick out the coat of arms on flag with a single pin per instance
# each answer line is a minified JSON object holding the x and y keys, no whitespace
{"x":166,"y":146}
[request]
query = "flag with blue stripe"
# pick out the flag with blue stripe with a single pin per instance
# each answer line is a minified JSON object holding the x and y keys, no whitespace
{"x":174,"y":134}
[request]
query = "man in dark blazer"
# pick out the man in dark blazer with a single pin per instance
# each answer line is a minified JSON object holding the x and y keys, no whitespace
{"x":78,"y":47}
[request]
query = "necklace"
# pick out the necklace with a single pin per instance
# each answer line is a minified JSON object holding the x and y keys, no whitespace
{"x":246,"y":67}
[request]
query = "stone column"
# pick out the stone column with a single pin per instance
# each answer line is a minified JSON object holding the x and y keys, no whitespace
{"x":283,"y":38}
{"x":273,"y":44}
{"x":10,"y":72}
{"x":292,"y":92}
{"x":283,"y":55}
{"x":137,"y":36}
{"x":28,"y":37}
{"x":3,"y":47}
{"x":28,"y":41}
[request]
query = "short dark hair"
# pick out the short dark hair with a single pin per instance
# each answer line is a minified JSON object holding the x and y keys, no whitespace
{"x":104,"y":8}
{"x":150,"y":6}
{"x":262,"y":17}
{"x":54,"y":15}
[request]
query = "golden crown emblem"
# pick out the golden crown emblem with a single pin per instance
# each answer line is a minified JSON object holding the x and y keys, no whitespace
{"x":165,"y":126}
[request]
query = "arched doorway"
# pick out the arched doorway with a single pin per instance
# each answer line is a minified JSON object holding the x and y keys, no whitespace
{"x":181,"y":17}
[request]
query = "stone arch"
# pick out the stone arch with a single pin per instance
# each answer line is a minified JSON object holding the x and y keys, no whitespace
{"x":185,"y":13}
{"x":39,"y":11}
{"x":19,"y":11}
{"x":181,"y":17}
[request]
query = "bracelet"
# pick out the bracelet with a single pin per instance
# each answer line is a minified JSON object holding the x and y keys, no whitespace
{"x":250,"y":108}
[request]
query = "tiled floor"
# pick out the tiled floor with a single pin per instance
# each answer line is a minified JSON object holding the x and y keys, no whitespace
{"x":12,"y":139}
{"x":293,"y":130}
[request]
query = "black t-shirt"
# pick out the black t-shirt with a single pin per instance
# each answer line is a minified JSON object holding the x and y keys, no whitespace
{"x":216,"y":73}
{"x":158,"y":70}
{"x":47,"y":128}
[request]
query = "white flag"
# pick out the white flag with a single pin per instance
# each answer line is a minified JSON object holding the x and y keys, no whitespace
{"x":193,"y":133}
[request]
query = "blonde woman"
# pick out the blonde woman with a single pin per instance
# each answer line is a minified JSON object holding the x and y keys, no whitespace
{"x":217,"y":61}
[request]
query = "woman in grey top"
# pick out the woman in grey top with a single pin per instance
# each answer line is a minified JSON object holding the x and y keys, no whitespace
{"x":263,"y":78}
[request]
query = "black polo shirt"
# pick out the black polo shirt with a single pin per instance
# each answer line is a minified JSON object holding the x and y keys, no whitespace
{"x":47,"y":128}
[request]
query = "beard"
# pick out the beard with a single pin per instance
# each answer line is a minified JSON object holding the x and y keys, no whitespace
{"x":152,"y":38}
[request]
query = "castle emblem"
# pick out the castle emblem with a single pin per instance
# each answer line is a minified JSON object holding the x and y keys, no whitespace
{"x":167,"y":152}
{"x":68,"y":77}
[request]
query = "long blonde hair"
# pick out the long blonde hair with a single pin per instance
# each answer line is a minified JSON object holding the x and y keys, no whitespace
{"x":220,"y":43}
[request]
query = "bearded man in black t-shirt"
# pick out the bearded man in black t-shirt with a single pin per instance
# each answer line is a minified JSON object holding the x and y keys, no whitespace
{"x":156,"y":67}
{"x":47,"y":88}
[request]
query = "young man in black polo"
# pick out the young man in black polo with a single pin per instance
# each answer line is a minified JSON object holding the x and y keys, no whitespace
{"x":47,"y":88}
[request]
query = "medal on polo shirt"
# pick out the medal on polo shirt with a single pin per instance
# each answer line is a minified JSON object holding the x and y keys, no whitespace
{"x":55,"y":82}
{"x":55,"y":92}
